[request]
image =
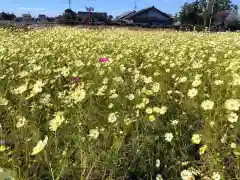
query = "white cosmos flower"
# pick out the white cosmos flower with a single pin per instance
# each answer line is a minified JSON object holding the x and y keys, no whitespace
{"x":159,"y":177}
{"x":131,"y":97}
{"x":3,"y":101}
{"x":21,"y":89}
{"x":158,"y":163}
{"x":156,"y":87}
{"x":232,"y":117}
{"x":21,"y":121}
{"x":57,"y":121}
{"x":196,"y":82}
{"x":40,"y":146}
{"x":187,"y":175}
{"x":105,"y":81}
{"x":112,"y":117}
{"x":232,"y":104}
{"x":149,"y":110}
{"x":168,"y":137}
{"x":192,"y":92}
{"x":218,"y":82}
{"x":37,"y":87}
{"x":207,"y":105}
{"x":147,"y":80}
{"x":174,"y":122}
{"x":110,"y":106}
{"x":94,"y":133}
{"x":113,"y":96}
{"x":196,"y":138}
{"x":216,"y":176}
{"x":163,"y":110}
{"x":182,"y":79}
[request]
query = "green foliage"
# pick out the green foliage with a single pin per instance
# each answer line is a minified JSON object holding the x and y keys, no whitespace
{"x":199,"y":12}
{"x":8,"y":16}
{"x":190,"y":14}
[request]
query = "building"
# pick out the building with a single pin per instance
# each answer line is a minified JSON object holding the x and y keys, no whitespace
{"x":122,"y":16}
{"x":27,"y":17}
{"x":1,"y":16}
{"x":93,"y":17}
{"x":147,"y":17}
{"x":42,"y":17}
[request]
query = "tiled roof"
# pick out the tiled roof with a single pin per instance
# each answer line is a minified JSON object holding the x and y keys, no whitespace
{"x":124,"y":15}
{"x":147,"y":9}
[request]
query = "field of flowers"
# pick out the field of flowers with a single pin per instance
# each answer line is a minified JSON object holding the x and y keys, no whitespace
{"x":119,"y":104}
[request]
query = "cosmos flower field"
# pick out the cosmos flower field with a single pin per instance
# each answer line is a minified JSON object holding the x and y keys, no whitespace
{"x":119,"y":104}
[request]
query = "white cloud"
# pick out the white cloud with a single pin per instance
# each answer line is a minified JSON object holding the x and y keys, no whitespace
{"x":31,"y":9}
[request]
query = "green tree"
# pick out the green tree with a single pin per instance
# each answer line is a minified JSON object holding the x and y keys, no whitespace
{"x":232,"y":21}
{"x":8,"y":16}
{"x":190,"y":13}
{"x":70,"y":14}
{"x":202,"y":11}
{"x":68,"y":17}
{"x":212,"y":7}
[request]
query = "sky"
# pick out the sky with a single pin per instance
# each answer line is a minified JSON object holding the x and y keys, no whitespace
{"x":112,"y":7}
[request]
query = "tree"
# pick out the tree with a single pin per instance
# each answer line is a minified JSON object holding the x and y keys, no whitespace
{"x":110,"y":17}
{"x":202,"y":11}
{"x":69,"y":17}
{"x":8,"y":16}
{"x":69,"y":14}
{"x":232,"y":21}
{"x":220,"y":5}
{"x":190,"y":13}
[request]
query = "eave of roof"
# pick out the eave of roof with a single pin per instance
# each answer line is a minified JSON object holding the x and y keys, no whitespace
{"x":147,"y":9}
{"x":126,"y":14}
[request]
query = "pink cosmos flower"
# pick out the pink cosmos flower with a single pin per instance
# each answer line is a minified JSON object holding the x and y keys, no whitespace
{"x":103,"y":59}
{"x":75,"y":79}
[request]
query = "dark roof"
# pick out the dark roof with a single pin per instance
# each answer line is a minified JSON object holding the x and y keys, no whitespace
{"x":147,"y":9}
{"x":93,"y":13}
{"x":123,"y":15}
{"x":84,"y":12}
{"x":223,"y":13}
{"x":42,"y":15}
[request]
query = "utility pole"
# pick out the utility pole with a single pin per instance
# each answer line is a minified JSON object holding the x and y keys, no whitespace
{"x":135,"y":5}
{"x":69,"y":3}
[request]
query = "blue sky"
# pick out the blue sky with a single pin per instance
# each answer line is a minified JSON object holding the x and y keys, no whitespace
{"x":113,"y":7}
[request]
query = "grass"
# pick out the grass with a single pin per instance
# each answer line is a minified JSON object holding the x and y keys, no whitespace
{"x":162,"y":105}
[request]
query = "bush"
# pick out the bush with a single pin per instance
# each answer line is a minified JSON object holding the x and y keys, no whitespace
{"x":119,"y":104}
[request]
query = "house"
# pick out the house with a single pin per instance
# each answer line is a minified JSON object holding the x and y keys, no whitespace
{"x":122,"y":16}
{"x":51,"y":19}
{"x":94,"y":17}
{"x":27,"y":17}
{"x":1,"y":16}
{"x":147,"y":17}
{"x":42,"y":17}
